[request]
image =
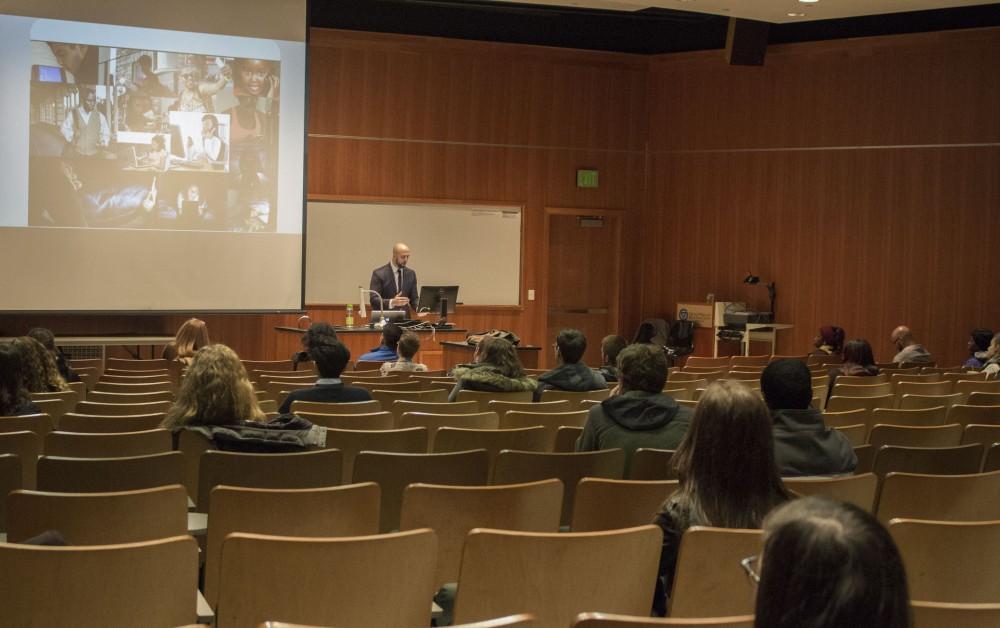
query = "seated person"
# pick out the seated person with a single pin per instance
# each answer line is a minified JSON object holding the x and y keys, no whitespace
{"x":157,"y":155}
{"x":611,"y":346}
{"x":803,"y":445}
{"x":859,"y":361}
{"x":641,"y":415}
{"x":316,"y":334}
{"x":48,"y":340}
{"x":191,"y":336}
{"x":829,"y":342}
{"x":992,"y":357}
{"x":385,"y":352}
{"x":409,"y":344}
{"x":217,"y":400}
{"x":15,"y":400}
{"x":495,"y":368}
{"x":571,"y":374}
{"x":910,"y":352}
{"x":979,"y":344}
{"x":39,"y":373}
{"x":330,"y":356}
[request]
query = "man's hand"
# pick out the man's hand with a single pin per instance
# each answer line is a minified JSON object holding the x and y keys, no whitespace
{"x":399,"y":300}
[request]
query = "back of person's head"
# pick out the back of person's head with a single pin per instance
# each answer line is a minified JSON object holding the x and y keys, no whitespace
{"x":192,"y":336}
{"x":391,"y":334}
{"x":409,"y":344}
{"x":645,"y":333}
{"x":828,"y":564}
{"x":331,"y":357}
{"x":48,"y":339}
{"x":572,"y":344}
{"x":642,"y":367}
{"x":39,"y":371}
{"x":215,"y":391}
{"x":611,"y":346}
{"x":833,"y":337}
{"x":12,"y":390}
{"x":318,"y":333}
{"x":858,"y":351}
{"x":725,"y":462}
{"x":787,"y":385}
{"x":981,"y":338}
{"x":501,"y":355}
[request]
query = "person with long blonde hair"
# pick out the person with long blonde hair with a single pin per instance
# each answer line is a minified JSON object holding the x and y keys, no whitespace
{"x":39,"y":369}
{"x":496,"y":368}
{"x":191,"y":336}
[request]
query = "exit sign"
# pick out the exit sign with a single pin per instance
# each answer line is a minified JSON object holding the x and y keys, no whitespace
{"x":586,"y":178}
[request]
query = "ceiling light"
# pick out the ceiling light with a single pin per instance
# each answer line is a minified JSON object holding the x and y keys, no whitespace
{"x":796,"y":15}
{"x":808,"y":1}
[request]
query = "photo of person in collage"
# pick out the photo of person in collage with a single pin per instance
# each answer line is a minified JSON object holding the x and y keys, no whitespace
{"x":145,"y":139}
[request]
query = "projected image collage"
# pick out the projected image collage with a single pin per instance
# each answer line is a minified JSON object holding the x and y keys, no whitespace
{"x":147,"y":139}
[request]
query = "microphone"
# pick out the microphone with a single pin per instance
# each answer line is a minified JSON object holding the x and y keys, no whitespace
{"x":361,"y":303}
{"x":381,"y":304}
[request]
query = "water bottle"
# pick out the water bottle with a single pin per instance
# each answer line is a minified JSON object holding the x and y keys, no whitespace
{"x":350,"y":315}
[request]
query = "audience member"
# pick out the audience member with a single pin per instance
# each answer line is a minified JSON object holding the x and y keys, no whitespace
{"x":828,"y":564}
{"x":728,"y":476}
{"x":979,"y":345}
{"x":909,"y":351}
{"x":217,"y":400}
{"x":829,"y":342}
{"x":611,"y":346}
{"x":192,"y":336}
{"x":803,"y":445}
{"x":39,"y":371}
{"x":992,"y":363}
{"x":15,"y":399}
{"x":409,"y":344}
{"x":859,"y":361}
{"x":386,"y":351}
{"x":641,"y":415}
{"x":645,"y":334}
{"x":48,"y":340}
{"x":571,"y":373}
{"x":495,"y":368}
{"x":331,"y":357}
{"x":316,"y":334}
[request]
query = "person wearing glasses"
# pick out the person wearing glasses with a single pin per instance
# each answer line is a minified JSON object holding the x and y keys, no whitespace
{"x":729,"y":478}
{"x":827,"y":564}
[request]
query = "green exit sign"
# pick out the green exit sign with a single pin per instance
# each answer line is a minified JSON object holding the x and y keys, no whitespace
{"x":586,"y":178}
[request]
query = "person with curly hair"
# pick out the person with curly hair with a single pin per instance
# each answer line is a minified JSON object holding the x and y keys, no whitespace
{"x":14,"y":397}
{"x":40,"y":372}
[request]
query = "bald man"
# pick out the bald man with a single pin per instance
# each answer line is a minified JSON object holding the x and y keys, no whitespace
{"x":909,"y":352}
{"x":395,"y":282}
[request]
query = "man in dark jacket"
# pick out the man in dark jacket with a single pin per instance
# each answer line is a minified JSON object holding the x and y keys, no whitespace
{"x":803,"y":445}
{"x":641,"y":415}
{"x":331,"y":357}
{"x":571,"y":374}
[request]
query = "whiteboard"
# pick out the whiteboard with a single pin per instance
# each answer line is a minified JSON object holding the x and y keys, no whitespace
{"x":477,"y":248}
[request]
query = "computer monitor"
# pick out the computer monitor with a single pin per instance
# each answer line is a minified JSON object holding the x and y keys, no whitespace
{"x":431,"y":297}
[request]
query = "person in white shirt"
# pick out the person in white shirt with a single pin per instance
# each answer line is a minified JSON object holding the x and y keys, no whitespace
{"x":408,"y":346}
{"x":208,"y":151}
{"x":86,"y":128}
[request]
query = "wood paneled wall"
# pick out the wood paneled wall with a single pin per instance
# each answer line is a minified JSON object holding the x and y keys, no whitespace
{"x":862,"y":176}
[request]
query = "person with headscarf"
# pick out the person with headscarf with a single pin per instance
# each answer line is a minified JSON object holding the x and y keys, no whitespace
{"x":829,"y":342}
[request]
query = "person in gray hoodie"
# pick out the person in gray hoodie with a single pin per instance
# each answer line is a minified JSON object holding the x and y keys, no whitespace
{"x":803,"y":444}
{"x":571,"y":374}
{"x":640,"y":415}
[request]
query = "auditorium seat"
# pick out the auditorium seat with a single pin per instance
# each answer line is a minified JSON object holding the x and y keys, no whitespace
{"x":991,"y":460}
{"x":369,"y":421}
{"x":922,"y":378}
{"x":433,"y":422}
{"x":843,"y":404}
{"x":913,"y":402}
{"x":55,"y":408}
{"x":383,"y":580}
{"x":269,"y":365}
{"x":365,"y":365}
{"x":610,"y":620}
{"x":842,"y":389}
{"x":751,"y":360}
{"x":923,"y":417}
{"x":555,"y":576}
{"x":130,"y":398}
{"x":492,"y":440}
{"x":99,"y":518}
{"x":942,"y":615}
{"x":400,"y":407}
{"x":950,"y":561}
{"x":114,"y":387}
{"x":354,"y":407}
{"x":855,"y":489}
{"x":676,"y":377}
{"x":688,"y":385}
{"x":515,"y":467}
{"x":121,"y":409}
{"x":11,"y":474}
{"x":940,"y":497}
{"x":162,"y":374}
{"x":603,"y":504}
{"x":863,"y":380}
{"x":984,"y":399}
{"x":69,"y":397}
{"x":278,"y":389}
{"x":388,"y":396}
{"x":484,"y":398}
{"x":941,"y":388}
{"x":905,"y":436}
{"x":722,"y":590}
{"x":394,"y":472}
{"x":316,"y":512}
{"x":966,"y":388}
{"x":855,"y":434}
{"x":978,"y":433}
{"x":574,"y":398}
{"x":551,"y":421}
{"x":351,"y":442}
{"x":27,"y":447}
{"x":73,"y":422}
{"x":652,"y":464}
{"x":136,"y":379}
{"x":503,"y":407}
{"x":566,"y":438}
{"x":98,"y":586}
{"x":846,"y":418}
{"x":982,"y":415}
{"x":703,"y":362}
{"x":108,"y":475}
{"x":452,"y":511}
{"x":378,"y":384}
{"x":866,"y":459}
{"x":521,"y":620}
{"x":108,"y":445}
{"x":958,"y":460}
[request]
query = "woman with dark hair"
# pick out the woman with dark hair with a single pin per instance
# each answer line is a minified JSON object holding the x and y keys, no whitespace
{"x":728,"y":475}
{"x":496,"y":368}
{"x":859,"y":361}
{"x":48,"y":340}
{"x":39,"y":372}
{"x":828,"y":564}
{"x":15,"y":399}
{"x":829,"y":342}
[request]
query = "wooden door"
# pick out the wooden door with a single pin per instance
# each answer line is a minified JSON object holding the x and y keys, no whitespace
{"x":583,"y":281}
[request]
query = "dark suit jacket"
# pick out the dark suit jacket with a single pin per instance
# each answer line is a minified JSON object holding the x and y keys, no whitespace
{"x":385,"y":284}
{"x":330,"y":393}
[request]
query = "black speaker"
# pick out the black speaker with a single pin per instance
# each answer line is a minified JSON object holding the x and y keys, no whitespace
{"x":746,"y":41}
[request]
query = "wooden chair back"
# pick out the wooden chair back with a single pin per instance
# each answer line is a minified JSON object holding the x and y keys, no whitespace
{"x":99,"y":518}
{"x":351,"y":442}
{"x":652,"y":464}
{"x":551,"y":421}
{"x":904,"y":436}
{"x":328,"y":581}
{"x":400,"y":407}
{"x":493,"y":441}
{"x":388,"y":397}
{"x":555,"y":576}
{"x":722,"y":590}
{"x":137,"y":378}
{"x":843,"y":404}
{"x":394,"y":472}
{"x":55,"y":408}
{"x":503,"y":407}
{"x":123,"y":364}
{"x":517,"y":467}
{"x":847,"y":417}
{"x":278,"y":389}
{"x":314,"y":512}
{"x":130,"y":398}
{"x":750,"y":360}
{"x":69,"y":397}
{"x":452,"y":511}
{"x":913,"y":402}
{"x":566,"y":438}
{"x":132,"y":389}
{"x":968,"y":414}
{"x":322,"y":407}
{"x":863,"y":380}
{"x":108,"y":445}
{"x":433,"y":422}
{"x":924,"y":417}
{"x":110,"y":424}
{"x":129,"y":584}
{"x":484,"y":398}
{"x":268,"y":365}
{"x":609,"y":620}
{"x":575,"y":398}
{"x":109,"y":475}
{"x":842,"y":389}
{"x":40,"y":424}
{"x":370,"y":421}
{"x":940,"y":497}
{"x":959,"y":460}
{"x":984,"y":399}
{"x":967,"y":387}
{"x":27,"y":447}
{"x":83,"y":363}
{"x":122,"y":409}
{"x":855,"y":434}
{"x":985,"y":434}
{"x":160,"y":373}
{"x":922,"y":378}
{"x":866,"y":459}
{"x":855,"y":489}
{"x":11,"y":474}
{"x":946,"y":615}
{"x":367,"y":365}
{"x":676,"y":378}
{"x":378,"y":384}
{"x":950,"y":561}
{"x":310,"y":469}
{"x":703,"y":362}
{"x":602,"y":504}
{"x":991,"y":461}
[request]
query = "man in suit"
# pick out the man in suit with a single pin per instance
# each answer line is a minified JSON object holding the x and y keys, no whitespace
{"x":395,"y":282}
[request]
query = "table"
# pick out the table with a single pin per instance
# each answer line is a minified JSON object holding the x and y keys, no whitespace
{"x":461,"y":353}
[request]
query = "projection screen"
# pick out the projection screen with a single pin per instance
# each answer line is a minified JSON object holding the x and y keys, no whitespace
{"x":153,"y":155}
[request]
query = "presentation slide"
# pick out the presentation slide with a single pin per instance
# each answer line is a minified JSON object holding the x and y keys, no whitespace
{"x":141,"y":155}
